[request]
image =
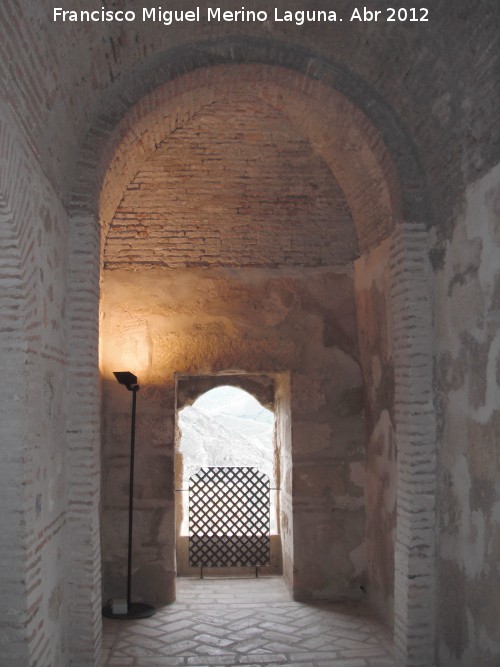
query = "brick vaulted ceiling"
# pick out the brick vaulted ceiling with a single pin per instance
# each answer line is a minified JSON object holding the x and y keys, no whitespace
{"x":236,"y":185}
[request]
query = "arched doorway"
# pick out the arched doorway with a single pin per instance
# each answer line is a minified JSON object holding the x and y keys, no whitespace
{"x":380,"y":209}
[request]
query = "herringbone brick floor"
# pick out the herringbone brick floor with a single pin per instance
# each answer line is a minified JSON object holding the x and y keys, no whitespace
{"x":250,"y":622}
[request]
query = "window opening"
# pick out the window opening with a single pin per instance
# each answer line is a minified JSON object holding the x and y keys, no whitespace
{"x":227,"y":426}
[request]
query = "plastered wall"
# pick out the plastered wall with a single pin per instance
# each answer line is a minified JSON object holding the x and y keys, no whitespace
{"x":284,"y":444}
{"x":158,"y":322}
{"x":375,"y":333}
{"x":467,"y":379}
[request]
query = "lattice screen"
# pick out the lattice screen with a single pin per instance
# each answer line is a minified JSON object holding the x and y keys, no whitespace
{"x":229,"y":517}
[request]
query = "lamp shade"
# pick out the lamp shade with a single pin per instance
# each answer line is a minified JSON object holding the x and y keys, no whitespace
{"x":126,"y":378}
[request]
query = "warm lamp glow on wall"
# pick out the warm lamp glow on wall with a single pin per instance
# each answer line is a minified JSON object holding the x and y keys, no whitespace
{"x":124,"y":342}
{"x":119,"y":608}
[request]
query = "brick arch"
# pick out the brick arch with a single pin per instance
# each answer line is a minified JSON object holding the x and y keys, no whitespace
{"x":353,"y":149}
{"x":306,"y":82}
{"x":195,"y":59}
{"x":248,"y":187}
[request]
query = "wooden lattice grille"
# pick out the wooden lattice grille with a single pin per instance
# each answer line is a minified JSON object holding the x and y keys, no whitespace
{"x":229,"y":517}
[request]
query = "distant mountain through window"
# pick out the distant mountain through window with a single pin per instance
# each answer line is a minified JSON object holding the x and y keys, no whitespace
{"x":226,"y":426}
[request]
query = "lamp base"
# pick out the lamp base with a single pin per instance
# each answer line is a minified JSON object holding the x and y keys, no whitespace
{"x":135,"y":610}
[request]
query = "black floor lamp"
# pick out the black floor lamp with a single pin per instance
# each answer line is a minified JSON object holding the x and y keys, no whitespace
{"x":133,"y":609}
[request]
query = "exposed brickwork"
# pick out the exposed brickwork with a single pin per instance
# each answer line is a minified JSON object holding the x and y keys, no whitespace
{"x":55,"y":70}
{"x":415,"y":580}
{"x":32,"y":346}
{"x":235,"y":186}
{"x":362,"y":166}
{"x":83,"y":443}
{"x":13,"y":626}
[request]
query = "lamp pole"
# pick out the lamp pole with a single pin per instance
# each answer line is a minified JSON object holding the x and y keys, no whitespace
{"x":113,"y":609}
{"x":134,"y":391}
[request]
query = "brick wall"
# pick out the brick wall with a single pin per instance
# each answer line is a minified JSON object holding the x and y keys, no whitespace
{"x":58,"y":83}
{"x":362,"y":166}
{"x":414,"y":557}
{"x":13,"y":552}
{"x":236,"y":185}
{"x":33,"y":346}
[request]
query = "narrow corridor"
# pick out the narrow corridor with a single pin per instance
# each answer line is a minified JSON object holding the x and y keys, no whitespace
{"x":251,"y":622}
